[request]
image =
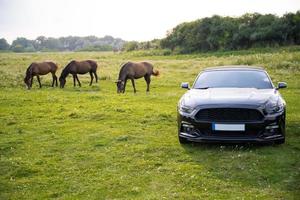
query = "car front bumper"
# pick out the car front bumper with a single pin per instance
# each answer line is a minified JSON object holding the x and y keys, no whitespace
{"x":270,"y":129}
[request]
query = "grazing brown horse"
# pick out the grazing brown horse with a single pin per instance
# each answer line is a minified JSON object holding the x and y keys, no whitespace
{"x":78,"y":67}
{"x":42,"y":68}
{"x":131,"y":70}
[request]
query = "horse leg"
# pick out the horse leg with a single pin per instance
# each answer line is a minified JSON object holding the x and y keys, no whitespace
{"x":54,"y":79}
{"x":133,"y":85}
{"x":148,"y":80}
{"x":38,"y":78}
{"x":74,"y":80}
{"x":96,"y":77}
{"x":92,"y":77}
{"x":31,"y":80}
{"x":125,"y":85}
{"x":78,"y":80}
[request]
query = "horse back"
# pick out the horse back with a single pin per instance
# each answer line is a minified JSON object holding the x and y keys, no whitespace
{"x":148,"y":66}
{"x":42,"y":68}
{"x":143,"y":68}
{"x":93,"y":64}
{"x":53,"y":66}
{"x":136,"y":70}
{"x":83,"y":67}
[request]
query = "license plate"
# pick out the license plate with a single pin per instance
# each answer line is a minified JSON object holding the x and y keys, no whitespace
{"x":228,"y":127}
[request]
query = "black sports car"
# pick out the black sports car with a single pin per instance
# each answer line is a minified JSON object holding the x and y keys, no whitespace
{"x":232,"y":104}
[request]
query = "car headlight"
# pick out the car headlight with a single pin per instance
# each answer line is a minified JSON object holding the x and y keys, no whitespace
{"x":186,"y":109}
{"x":272,"y":107}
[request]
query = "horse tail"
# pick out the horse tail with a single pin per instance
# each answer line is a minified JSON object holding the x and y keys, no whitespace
{"x":96,"y":65}
{"x":155,"y":72}
{"x":55,"y":66}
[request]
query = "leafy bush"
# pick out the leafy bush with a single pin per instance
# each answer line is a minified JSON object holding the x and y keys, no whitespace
{"x":229,"y":33}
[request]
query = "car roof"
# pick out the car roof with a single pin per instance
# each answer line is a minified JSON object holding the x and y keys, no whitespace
{"x":234,"y":67}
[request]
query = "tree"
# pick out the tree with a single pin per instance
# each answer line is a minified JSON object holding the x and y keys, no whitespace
{"x":130,"y":46}
{"x":226,"y":33}
{"x":18,"y":48}
{"x":70,"y":43}
{"x":3,"y":44}
{"x":293,"y":27}
{"x":22,"y":45}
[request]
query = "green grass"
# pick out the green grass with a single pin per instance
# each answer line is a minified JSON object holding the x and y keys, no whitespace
{"x":91,"y":143}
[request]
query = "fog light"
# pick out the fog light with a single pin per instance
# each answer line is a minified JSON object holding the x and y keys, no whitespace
{"x":187,"y":127}
{"x":271,"y":129}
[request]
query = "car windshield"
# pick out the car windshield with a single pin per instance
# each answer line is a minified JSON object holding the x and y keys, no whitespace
{"x":233,"y":78}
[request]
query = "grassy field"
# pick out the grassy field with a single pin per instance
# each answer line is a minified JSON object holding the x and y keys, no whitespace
{"x":91,"y":143}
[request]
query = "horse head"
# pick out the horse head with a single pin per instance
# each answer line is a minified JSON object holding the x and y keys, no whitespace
{"x":120,"y":86}
{"x":27,"y":82}
{"x":62,"y":82}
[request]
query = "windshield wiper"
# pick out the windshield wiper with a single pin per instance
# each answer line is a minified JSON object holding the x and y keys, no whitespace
{"x":202,"y":88}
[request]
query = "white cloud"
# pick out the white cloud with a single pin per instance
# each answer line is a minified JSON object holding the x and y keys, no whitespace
{"x":130,"y":20}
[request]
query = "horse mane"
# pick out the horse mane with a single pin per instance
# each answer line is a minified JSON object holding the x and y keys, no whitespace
{"x":65,"y":71}
{"x":29,"y":71}
{"x":122,"y":66}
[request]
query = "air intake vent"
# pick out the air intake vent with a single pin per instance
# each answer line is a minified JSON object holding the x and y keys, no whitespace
{"x":229,"y":114}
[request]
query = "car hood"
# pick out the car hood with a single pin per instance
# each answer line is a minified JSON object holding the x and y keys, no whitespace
{"x":228,"y":96}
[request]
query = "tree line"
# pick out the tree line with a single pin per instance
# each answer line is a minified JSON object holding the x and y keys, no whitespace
{"x":70,"y":43}
{"x":234,"y":33}
{"x":251,"y":30}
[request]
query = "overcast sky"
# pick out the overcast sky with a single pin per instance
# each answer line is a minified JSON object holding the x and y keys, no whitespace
{"x":128,"y":19}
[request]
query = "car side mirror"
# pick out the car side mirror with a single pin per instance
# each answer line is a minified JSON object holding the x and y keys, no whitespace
{"x":281,"y":85}
{"x":185,"y":85}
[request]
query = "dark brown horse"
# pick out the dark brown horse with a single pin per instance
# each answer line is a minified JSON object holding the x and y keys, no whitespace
{"x":78,"y":67}
{"x":131,"y":70}
{"x":42,"y":68}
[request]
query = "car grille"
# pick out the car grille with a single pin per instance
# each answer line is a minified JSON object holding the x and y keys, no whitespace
{"x":229,"y":114}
